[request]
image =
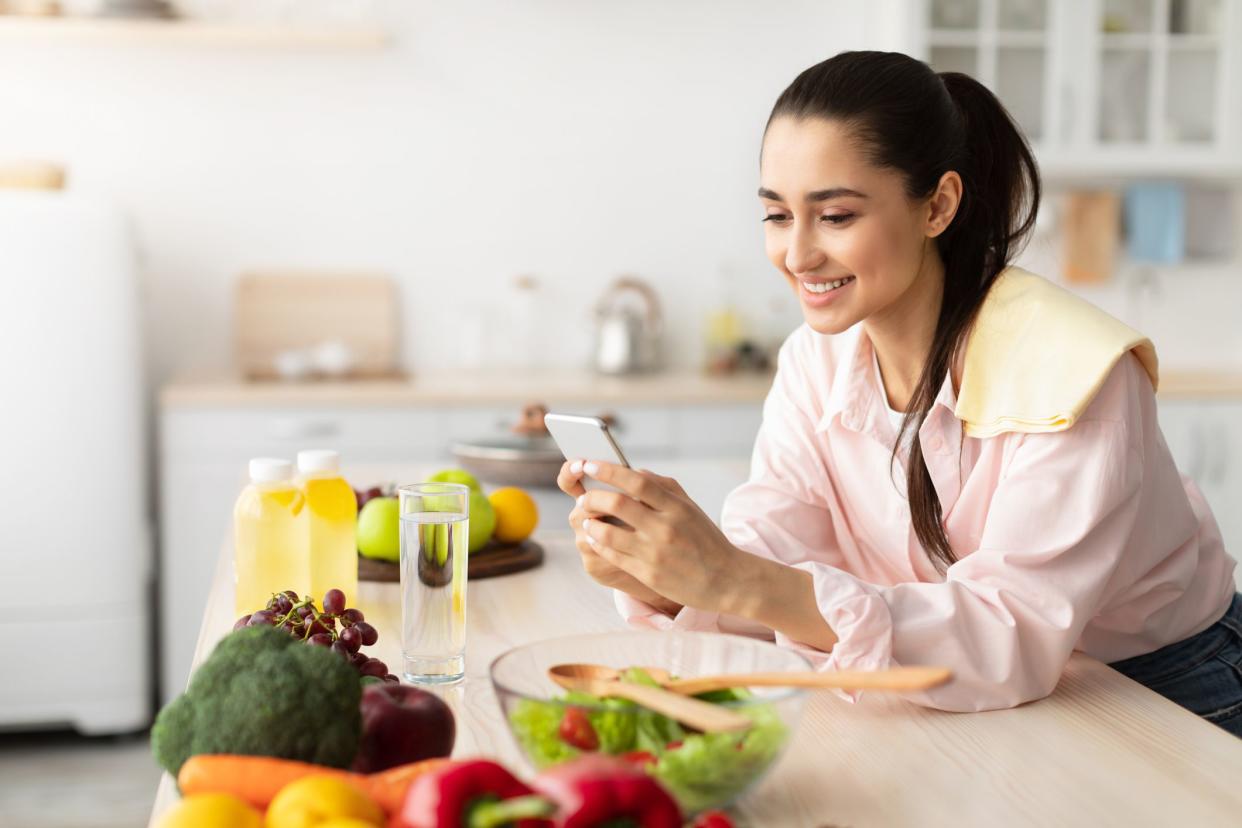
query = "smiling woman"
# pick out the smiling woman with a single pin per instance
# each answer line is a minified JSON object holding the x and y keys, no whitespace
{"x":1041,"y":511}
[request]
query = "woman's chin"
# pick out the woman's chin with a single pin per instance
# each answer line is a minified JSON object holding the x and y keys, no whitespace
{"x":827,"y":321}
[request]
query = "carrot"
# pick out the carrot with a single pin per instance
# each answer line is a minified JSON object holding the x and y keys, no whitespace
{"x":257,"y":779}
{"x":388,"y":787}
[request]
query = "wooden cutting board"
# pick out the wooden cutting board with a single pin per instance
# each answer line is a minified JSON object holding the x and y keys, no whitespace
{"x":277,"y":311}
{"x":490,"y":561}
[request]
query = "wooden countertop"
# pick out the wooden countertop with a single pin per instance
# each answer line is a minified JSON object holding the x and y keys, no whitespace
{"x":512,"y":388}
{"x":1101,"y":750}
{"x":557,"y":387}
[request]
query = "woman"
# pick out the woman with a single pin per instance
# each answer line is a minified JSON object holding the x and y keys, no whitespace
{"x":959,"y":462}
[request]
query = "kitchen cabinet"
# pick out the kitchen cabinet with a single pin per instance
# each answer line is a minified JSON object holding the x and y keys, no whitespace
{"x":1101,"y":87}
{"x":1205,"y":437}
{"x":205,"y":446}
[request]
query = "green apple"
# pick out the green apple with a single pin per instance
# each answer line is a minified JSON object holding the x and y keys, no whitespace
{"x":482,"y":520}
{"x":435,"y":542}
{"x":456,"y":476}
{"x":379,"y":529}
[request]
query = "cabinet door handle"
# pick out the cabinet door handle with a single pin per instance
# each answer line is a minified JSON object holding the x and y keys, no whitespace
{"x":298,"y":428}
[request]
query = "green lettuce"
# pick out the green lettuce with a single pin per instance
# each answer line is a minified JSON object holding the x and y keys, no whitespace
{"x":701,"y":770}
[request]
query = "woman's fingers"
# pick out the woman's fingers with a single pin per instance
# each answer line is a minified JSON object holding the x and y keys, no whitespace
{"x":668,"y":483}
{"x":603,"y":502}
{"x":603,"y":535}
{"x":642,"y":486}
{"x":569,"y":480}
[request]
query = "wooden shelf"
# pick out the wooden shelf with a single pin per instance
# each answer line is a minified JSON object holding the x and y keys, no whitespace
{"x":1117,"y":41}
{"x":1126,"y":161}
{"x":962,"y":38}
{"x":107,"y":31}
{"x":1193,"y":42}
{"x":1019,"y":39}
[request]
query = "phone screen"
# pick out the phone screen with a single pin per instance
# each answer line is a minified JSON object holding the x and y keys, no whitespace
{"x":587,"y":438}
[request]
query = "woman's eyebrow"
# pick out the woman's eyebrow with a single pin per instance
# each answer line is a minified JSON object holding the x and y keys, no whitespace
{"x":816,"y":195}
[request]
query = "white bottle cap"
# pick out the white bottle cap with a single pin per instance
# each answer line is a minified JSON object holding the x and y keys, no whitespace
{"x":270,"y":470}
{"x":318,"y":461}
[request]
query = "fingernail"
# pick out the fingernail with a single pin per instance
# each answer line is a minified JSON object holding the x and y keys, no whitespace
{"x":586,"y":525}
{"x":580,"y":499}
{"x":576,"y":467}
{"x":591,"y":468}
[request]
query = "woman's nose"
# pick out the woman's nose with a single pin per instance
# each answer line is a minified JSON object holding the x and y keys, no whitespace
{"x":803,"y":254}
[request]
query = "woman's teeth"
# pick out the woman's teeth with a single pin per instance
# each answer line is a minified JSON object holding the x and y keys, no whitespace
{"x":824,"y":287}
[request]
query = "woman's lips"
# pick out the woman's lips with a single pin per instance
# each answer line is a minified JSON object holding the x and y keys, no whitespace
{"x":817,"y":300}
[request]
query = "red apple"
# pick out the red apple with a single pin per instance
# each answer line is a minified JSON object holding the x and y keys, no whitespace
{"x":363,"y":495}
{"x":402,"y":724}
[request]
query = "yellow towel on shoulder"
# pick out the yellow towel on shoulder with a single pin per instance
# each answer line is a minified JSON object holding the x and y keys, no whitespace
{"x":1037,"y":355}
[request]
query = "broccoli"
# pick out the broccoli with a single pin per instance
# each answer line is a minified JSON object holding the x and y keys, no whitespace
{"x":262,"y":693}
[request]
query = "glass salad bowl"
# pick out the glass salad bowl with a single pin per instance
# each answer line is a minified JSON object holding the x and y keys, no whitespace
{"x":701,"y":770}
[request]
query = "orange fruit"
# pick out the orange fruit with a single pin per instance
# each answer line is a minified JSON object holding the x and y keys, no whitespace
{"x":516,"y":514}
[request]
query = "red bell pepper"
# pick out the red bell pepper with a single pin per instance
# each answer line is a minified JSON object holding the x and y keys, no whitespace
{"x":471,"y":794}
{"x":594,"y":789}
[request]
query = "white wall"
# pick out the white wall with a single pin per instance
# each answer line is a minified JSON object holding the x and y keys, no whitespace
{"x":1189,"y":310}
{"x":573,"y":140}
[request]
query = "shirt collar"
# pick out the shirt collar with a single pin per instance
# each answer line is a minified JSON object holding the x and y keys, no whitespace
{"x":856,"y":397}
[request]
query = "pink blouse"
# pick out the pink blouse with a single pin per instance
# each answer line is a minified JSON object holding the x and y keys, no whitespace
{"x":1084,"y":539}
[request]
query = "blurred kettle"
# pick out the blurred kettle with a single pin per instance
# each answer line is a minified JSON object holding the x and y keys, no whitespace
{"x":628,"y":340}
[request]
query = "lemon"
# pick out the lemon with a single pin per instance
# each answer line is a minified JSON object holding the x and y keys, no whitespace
{"x":208,"y":810}
{"x":516,"y":514}
{"x":313,"y":800}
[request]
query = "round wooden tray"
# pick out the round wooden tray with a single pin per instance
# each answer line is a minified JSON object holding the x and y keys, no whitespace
{"x":490,"y":561}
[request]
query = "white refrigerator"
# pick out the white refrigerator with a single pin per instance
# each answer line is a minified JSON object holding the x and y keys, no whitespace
{"x":75,"y":539}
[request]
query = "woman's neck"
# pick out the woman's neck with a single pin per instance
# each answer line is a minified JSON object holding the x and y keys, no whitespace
{"x":902,"y":333}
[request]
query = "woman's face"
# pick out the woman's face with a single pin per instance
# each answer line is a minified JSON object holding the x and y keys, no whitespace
{"x":842,"y":232}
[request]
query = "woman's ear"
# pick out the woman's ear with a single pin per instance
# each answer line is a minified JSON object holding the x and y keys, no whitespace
{"x":943,"y":203}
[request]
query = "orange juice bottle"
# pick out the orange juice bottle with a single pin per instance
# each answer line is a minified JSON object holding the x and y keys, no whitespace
{"x":269,"y":536}
{"x":333,"y":524}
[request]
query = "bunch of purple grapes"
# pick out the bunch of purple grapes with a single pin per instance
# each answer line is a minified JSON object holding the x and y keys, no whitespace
{"x":342,"y":630}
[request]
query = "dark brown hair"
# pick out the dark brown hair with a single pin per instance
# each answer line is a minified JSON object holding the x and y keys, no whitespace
{"x":922,"y":124}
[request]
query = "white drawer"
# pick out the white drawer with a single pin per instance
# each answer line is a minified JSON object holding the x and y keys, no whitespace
{"x":724,"y":429}
{"x":383,"y":433}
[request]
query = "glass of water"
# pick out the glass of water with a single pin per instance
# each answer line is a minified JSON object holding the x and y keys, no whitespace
{"x":435,"y":528}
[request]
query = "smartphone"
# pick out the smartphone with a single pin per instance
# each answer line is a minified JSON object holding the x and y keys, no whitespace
{"x":587,"y":438}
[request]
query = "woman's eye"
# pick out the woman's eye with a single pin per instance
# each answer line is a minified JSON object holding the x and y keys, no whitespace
{"x":774,"y":217}
{"x":837,"y":219}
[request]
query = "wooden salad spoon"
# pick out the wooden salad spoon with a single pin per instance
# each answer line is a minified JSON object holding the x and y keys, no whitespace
{"x":895,"y":679}
{"x":605,"y":681}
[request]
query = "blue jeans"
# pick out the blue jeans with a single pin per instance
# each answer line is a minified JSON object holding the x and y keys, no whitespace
{"x":1202,"y":673}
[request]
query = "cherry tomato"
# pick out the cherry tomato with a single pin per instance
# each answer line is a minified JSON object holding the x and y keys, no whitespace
{"x":576,"y":730}
{"x":713,"y":819}
{"x":639,"y":757}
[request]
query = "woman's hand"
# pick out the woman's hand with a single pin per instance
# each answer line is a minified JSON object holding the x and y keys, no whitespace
{"x":570,"y":482}
{"x":669,"y":545}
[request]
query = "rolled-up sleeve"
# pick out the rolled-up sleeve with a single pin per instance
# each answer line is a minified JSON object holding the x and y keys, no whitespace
{"x":1008,"y":615}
